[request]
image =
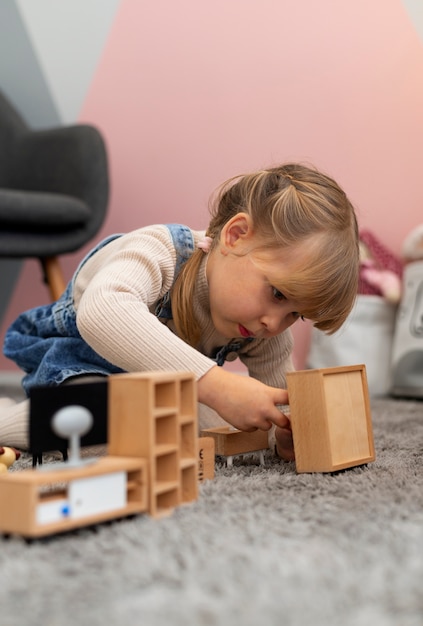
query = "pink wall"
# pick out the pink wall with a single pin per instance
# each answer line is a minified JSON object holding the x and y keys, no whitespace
{"x":188,"y":94}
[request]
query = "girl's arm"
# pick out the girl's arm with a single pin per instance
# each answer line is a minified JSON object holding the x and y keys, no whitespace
{"x":114,"y":295}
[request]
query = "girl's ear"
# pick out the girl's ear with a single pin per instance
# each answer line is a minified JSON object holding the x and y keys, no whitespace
{"x":236,"y":231}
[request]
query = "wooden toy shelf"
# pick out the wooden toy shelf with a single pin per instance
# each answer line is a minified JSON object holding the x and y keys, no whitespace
{"x":41,"y":502}
{"x":162,"y":429}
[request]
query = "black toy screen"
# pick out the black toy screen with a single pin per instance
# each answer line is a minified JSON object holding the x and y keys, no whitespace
{"x":46,"y":401}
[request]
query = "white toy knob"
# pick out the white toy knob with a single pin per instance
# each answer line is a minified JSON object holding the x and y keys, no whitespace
{"x":71,"y":423}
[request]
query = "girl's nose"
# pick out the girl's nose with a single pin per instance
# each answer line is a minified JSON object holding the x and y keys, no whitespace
{"x":275,"y":323}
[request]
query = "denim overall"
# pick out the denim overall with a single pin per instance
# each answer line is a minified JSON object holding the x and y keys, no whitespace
{"x":45,"y":342}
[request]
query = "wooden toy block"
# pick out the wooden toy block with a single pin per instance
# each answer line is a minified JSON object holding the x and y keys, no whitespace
{"x":206,"y":456}
{"x":36,"y":503}
{"x":154,"y":416}
{"x":330,"y":418}
{"x":230,"y":442}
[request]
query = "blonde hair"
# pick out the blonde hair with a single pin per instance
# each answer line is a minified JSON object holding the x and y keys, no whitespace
{"x":287,"y":205}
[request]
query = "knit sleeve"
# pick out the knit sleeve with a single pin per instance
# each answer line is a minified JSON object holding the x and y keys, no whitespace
{"x":115,"y":292}
{"x":268,"y":360}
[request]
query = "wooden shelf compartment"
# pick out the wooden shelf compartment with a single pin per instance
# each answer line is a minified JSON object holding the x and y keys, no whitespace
{"x":164,"y":486}
{"x":166,"y":395}
{"x":187,"y":399}
{"x":187,"y":463}
{"x":165,"y":411}
{"x":189,"y":481}
{"x":166,"y":430}
{"x":189,"y":440}
{"x":165,"y":502}
{"x":163,"y":449}
{"x":166,"y":467}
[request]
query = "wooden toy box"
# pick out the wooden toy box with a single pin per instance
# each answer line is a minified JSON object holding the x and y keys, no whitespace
{"x":330,"y":418}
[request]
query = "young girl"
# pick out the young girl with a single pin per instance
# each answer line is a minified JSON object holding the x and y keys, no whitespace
{"x":282,"y":245}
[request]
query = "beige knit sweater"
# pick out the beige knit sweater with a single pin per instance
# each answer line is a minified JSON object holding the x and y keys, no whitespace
{"x":115,"y":294}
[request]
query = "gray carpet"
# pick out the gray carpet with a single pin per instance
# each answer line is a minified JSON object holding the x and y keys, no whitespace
{"x":262,"y":545}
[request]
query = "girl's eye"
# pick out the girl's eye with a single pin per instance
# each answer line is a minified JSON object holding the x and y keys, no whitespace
{"x":278,"y":295}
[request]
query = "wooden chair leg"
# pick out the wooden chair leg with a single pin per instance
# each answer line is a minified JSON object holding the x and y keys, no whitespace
{"x":53,"y":276}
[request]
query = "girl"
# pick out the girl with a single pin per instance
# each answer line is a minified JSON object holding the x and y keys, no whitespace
{"x":282,"y":245}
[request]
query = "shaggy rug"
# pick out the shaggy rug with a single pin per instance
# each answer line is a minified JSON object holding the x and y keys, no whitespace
{"x":261,"y":545}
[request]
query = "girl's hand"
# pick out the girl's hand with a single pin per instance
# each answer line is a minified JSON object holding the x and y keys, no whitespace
{"x":244,"y":402}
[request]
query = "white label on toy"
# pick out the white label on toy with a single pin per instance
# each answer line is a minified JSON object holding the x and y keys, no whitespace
{"x":96,"y":495}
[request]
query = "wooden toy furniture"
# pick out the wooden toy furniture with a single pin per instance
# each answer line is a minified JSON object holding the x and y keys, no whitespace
{"x":229,"y":442}
{"x":36,"y":503}
{"x":152,"y":463}
{"x":330,"y":418}
{"x":154,"y":416}
{"x":205,"y":458}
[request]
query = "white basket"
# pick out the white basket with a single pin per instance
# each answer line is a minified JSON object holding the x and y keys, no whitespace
{"x":366,"y":337}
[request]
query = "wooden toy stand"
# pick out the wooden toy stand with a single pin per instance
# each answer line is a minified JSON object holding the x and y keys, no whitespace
{"x":330,"y":418}
{"x":151,"y":466}
{"x":37,"y":503}
{"x":229,"y":442}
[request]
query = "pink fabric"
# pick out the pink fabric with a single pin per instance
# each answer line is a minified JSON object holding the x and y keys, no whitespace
{"x":382,"y":259}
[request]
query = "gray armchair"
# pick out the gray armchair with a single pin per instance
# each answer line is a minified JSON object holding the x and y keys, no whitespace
{"x":54,"y":190}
